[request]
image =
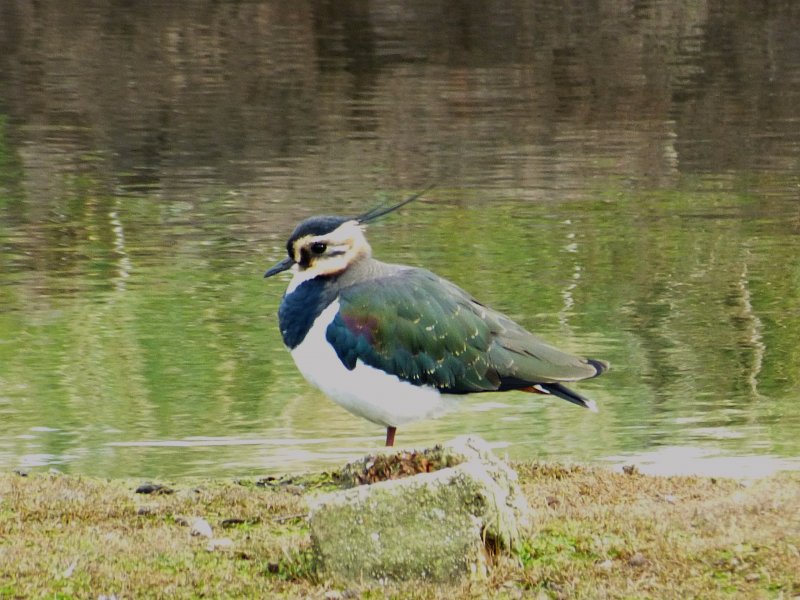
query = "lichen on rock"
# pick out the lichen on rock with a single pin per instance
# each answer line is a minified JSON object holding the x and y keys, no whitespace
{"x":432,"y":525}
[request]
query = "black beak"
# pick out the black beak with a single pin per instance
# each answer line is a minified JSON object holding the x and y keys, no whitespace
{"x":282,"y":266}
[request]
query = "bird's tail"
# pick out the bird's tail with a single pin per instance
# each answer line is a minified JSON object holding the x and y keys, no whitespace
{"x":600,"y":366}
{"x":561,"y":391}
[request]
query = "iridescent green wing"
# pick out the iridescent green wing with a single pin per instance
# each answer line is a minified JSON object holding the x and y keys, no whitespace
{"x":428,"y":331}
{"x":413,"y":326}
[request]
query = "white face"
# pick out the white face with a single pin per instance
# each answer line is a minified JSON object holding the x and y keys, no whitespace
{"x":329,"y":253}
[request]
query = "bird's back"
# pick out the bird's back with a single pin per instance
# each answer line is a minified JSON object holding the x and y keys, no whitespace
{"x":426,"y":330}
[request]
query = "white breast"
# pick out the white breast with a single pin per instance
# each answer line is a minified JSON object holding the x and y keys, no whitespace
{"x":365,"y":391}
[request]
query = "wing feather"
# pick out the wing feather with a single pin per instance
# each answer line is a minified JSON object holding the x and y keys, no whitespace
{"x":428,"y":331}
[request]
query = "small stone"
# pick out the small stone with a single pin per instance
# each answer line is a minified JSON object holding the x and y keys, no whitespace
{"x":154,"y":488}
{"x":228,"y":523}
{"x":200,"y":527}
{"x":637,"y":560}
{"x":513,"y":588}
{"x":219,"y":544}
{"x":606,"y":565}
{"x":752,"y":577}
{"x":70,"y":569}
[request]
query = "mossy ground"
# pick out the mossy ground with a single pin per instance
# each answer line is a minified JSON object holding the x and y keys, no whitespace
{"x":598,"y":534}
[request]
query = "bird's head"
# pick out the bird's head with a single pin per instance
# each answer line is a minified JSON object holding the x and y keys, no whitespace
{"x":321,"y":246}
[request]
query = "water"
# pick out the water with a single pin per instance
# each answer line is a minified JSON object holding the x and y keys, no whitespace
{"x":621,"y":179}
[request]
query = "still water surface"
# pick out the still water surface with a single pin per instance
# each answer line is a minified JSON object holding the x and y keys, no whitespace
{"x":622,"y":180}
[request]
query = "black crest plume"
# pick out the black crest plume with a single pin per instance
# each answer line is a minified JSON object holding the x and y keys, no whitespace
{"x":381,"y":210}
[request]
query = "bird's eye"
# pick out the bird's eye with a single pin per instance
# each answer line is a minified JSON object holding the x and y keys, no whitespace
{"x":319,"y":247}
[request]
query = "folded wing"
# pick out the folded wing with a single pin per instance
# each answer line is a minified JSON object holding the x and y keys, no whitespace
{"x":427,"y":331}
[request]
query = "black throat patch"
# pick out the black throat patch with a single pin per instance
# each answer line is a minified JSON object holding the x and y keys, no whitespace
{"x":300,"y":309}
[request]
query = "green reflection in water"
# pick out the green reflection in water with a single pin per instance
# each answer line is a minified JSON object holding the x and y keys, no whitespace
{"x":138,"y":338}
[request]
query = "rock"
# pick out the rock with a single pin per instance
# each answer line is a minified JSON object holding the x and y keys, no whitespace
{"x":605,"y":565}
{"x":200,"y":527}
{"x":219,"y":544}
{"x":234,"y":522}
{"x":70,"y":569}
{"x":637,"y":560}
{"x":433,"y":525}
{"x":153,"y":488}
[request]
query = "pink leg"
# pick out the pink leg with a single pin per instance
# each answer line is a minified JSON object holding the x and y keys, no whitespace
{"x":390,"y":431}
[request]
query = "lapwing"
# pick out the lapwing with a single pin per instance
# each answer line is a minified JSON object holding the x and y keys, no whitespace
{"x":395,"y":344}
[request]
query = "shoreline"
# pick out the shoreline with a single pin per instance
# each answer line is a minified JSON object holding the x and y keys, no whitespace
{"x":596,"y":533}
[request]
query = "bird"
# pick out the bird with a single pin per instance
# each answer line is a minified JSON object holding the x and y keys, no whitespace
{"x":396,"y":344}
